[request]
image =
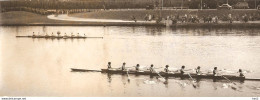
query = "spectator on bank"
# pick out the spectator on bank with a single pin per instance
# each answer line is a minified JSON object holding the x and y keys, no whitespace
{"x":146,"y":17}
{"x":245,"y":18}
{"x":230,"y":18}
{"x":134,"y":19}
{"x":150,"y":17}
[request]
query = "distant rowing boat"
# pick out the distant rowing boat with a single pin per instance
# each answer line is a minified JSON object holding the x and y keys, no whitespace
{"x":165,"y":74}
{"x":57,"y":37}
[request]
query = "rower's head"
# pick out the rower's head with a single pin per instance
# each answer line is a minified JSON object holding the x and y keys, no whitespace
{"x":215,"y":68}
{"x":240,"y":70}
{"x":198,"y":67}
{"x":183,"y":66}
{"x":137,"y":65}
{"x":152,"y":65}
{"x":167,"y":66}
{"x":124,"y":63}
{"x":109,"y":63}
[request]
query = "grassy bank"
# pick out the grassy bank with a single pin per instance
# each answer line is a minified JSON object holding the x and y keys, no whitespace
{"x":20,"y":18}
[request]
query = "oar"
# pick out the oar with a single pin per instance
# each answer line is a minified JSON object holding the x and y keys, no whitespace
{"x":228,"y":80}
{"x":128,"y":78}
{"x":160,"y":76}
{"x":121,"y":67}
{"x":192,"y":81}
{"x":155,"y":68}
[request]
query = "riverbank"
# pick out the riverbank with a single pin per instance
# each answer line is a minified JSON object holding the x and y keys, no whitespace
{"x":140,"y":14}
{"x":20,"y":18}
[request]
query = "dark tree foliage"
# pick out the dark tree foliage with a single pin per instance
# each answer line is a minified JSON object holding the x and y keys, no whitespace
{"x":120,"y":4}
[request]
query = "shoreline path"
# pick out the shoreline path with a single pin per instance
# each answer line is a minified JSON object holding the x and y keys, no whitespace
{"x":65,"y":17}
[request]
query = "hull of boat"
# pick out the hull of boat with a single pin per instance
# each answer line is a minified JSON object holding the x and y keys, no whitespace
{"x":164,"y":74}
{"x":58,"y":37}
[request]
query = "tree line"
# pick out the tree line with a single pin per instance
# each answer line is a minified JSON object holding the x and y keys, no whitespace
{"x":120,"y":4}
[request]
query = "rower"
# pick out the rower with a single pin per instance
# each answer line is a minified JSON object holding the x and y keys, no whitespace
{"x":46,"y":34}
{"x":198,"y":72}
{"x":215,"y":71}
{"x":137,"y":67}
{"x":58,"y":33}
{"x":33,"y":34}
{"x":166,"y":69}
{"x":52,"y":34}
{"x":72,"y":35}
{"x":109,"y":65}
{"x":123,"y":66}
{"x":151,"y":68}
{"x":182,"y":70}
{"x":241,"y":73}
{"x":65,"y":34}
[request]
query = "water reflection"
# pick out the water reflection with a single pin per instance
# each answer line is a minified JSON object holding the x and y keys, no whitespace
{"x":49,"y":60}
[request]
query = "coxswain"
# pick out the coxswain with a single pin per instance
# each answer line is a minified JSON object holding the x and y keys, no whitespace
{"x":151,"y":68}
{"x":198,"y":72}
{"x":182,"y":70}
{"x":166,"y":69}
{"x":123,"y":66}
{"x":109,"y":65}
{"x":241,"y":73}
{"x":215,"y":71}
{"x":137,"y":67}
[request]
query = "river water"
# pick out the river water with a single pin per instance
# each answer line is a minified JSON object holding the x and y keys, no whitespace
{"x":41,"y":67}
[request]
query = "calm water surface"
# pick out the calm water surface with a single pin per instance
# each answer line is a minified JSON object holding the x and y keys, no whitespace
{"x":41,"y":67}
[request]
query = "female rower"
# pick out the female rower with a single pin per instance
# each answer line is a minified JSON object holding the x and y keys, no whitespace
{"x":241,"y":73}
{"x":46,"y":34}
{"x":123,"y":66}
{"x":72,"y":35}
{"x":109,"y":65}
{"x":166,"y":69}
{"x":215,"y":71}
{"x":137,"y":67}
{"x":182,"y":70}
{"x":151,"y":68}
{"x":198,"y":72}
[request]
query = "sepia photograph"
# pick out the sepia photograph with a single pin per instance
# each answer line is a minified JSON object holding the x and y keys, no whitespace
{"x":129,"y":48}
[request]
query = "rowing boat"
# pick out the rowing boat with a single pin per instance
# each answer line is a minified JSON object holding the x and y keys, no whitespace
{"x":166,"y":74}
{"x":58,"y":37}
